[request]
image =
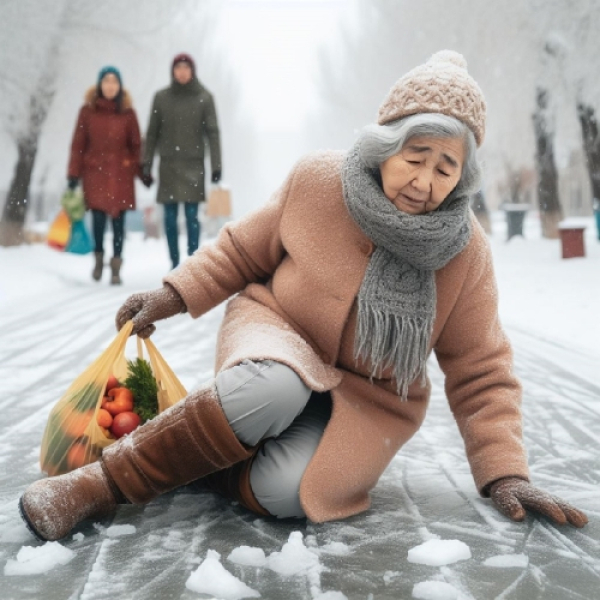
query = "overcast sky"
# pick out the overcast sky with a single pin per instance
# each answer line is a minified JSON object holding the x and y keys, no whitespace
{"x":273,"y":46}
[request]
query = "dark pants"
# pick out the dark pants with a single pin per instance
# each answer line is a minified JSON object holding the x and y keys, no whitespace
{"x":192,"y":225}
{"x":118,"y":228}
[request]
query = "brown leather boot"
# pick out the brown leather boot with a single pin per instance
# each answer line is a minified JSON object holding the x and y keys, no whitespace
{"x":97,"y":272}
{"x":186,"y":442}
{"x":115,"y":267}
{"x":52,"y":507}
{"x":234,"y":483}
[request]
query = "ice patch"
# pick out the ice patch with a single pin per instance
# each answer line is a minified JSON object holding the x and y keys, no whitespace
{"x":39,"y":559}
{"x":115,"y":531}
{"x":212,"y":578}
{"x":248,"y":556}
{"x":508,"y":560}
{"x":330,"y":596}
{"x":434,"y":590}
{"x":336,"y":548}
{"x":437,"y":553}
{"x":78,"y":537}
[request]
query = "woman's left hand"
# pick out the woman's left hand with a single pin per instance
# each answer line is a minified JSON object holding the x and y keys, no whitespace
{"x":512,"y":496}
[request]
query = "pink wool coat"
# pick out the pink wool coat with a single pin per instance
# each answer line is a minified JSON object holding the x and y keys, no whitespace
{"x":298,"y":264}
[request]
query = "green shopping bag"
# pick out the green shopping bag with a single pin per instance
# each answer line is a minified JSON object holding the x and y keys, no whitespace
{"x":73,"y":203}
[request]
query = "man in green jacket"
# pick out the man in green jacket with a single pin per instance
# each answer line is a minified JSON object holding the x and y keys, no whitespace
{"x":183,"y":118}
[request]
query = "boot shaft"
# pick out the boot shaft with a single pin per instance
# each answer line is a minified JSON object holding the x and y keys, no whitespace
{"x":115,"y":267}
{"x":186,"y":442}
{"x":98,"y":266}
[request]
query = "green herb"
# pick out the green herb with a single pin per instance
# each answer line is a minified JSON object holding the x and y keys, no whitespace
{"x":142,"y":384}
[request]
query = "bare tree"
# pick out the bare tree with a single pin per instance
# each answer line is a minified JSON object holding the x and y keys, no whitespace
{"x":591,"y":145}
{"x":30,"y":85}
{"x":548,"y":201}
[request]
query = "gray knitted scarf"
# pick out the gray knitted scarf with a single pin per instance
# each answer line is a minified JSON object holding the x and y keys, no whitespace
{"x":397,"y":298}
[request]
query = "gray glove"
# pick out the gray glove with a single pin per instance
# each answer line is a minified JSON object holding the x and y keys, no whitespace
{"x":148,"y":307}
{"x":513,"y":495}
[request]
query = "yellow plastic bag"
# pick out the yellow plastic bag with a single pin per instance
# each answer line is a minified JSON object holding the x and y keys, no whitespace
{"x":60,"y":231}
{"x":72,"y":437}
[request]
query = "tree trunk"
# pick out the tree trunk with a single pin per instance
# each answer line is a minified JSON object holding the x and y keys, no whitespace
{"x":591,"y":146}
{"x":549,"y":204}
{"x":481,"y":211}
{"x":17,"y":199}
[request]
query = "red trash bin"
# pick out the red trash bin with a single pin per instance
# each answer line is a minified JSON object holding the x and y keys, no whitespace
{"x":571,"y":238}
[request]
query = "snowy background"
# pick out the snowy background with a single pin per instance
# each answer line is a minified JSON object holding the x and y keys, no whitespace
{"x":54,"y":321}
{"x":290,"y":76}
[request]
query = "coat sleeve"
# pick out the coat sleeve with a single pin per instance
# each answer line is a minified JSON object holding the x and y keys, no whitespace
{"x":134,"y":141}
{"x":211,"y":131}
{"x":247,"y":251}
{"x":484,"y":394}
{"x":152,"y":134}
{"x":78,"y":145}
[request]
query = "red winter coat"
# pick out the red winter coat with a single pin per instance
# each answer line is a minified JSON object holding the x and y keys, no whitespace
{"x":105,"y":153}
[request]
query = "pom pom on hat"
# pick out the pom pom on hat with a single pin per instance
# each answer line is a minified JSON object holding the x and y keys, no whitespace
{"x":441,"y":85}
{"x":449,"y":56}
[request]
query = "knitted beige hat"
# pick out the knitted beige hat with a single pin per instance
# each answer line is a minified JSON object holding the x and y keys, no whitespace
{"x":441,"y":85}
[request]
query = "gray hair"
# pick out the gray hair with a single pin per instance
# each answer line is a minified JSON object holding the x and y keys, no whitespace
{"x":377,"y":143}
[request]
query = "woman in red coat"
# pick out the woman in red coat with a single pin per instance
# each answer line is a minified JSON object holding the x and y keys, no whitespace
{"x":105,"y":154}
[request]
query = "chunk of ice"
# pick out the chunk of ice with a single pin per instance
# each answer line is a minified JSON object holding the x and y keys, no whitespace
{"x":32,"y":560}
{"x":211,"y":577}
{"x":437,"y":553}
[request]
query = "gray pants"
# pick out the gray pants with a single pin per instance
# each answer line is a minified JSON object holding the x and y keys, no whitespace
{"x":267,"y":400}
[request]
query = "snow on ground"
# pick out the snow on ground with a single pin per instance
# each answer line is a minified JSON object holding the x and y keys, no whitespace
{"x":54,"y":321}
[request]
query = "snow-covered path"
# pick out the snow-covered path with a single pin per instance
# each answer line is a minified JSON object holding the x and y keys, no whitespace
{"x":59,"y":322}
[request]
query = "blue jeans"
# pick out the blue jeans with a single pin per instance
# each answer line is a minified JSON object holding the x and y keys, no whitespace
{"x":192,"y":225}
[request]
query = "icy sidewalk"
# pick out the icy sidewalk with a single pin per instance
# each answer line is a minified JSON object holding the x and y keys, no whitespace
{"x":50,"y":334}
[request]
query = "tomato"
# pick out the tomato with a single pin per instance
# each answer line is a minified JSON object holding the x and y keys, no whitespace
{"x":112,"y":382}
{"x":76,"y":456}
{"x":124,"y":423}
{"x":104,"y":418}
{"x":119,"y":400}
{"x":75,"y":424}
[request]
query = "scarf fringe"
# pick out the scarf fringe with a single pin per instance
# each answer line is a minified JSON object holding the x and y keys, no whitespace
{"x":386,"y":340}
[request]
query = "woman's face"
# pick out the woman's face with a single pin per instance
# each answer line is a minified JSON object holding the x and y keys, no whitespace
{"x":422,"y":175}
{"x":110,"y":86}
{"x":182,"y":72}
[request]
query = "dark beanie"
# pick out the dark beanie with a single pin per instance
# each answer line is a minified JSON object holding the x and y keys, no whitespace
{"x":183,"y":57}
{"x":106,"y":70}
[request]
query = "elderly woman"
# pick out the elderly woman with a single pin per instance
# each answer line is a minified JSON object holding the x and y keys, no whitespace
{"x":358,"y":267}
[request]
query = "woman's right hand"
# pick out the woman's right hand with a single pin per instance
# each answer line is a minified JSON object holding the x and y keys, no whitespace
{"x":148,"y":307}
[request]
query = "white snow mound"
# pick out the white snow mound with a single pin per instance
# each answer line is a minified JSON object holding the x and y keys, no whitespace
{"x":294,"y":557}
{"x":434,"y":590}
{"x":248,"y":556}
{"x":39,"y":559}
{"x":508,"y":560}
{"x":212,"y":578}
{"x":437,"y":553}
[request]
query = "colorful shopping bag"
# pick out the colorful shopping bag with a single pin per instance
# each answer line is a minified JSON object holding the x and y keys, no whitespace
{"x":73,"y":203}
{"x":80,"y":241}
{"x":73,"y":437}
{"x":60,"y":231}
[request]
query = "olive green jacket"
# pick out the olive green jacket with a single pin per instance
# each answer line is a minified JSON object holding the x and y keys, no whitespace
{"x":183,"y":118}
